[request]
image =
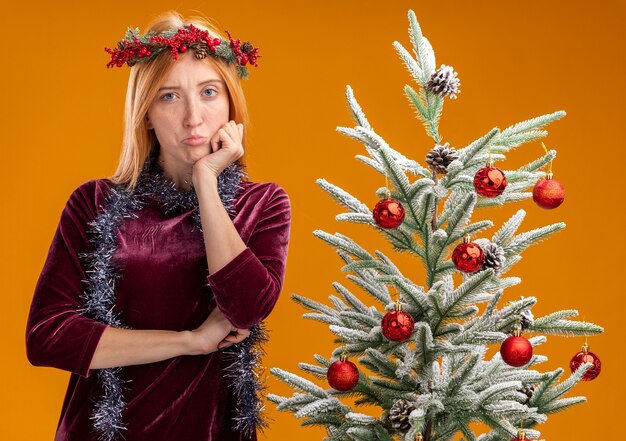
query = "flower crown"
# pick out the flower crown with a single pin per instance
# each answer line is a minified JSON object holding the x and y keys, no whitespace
{"x":135,"y":47}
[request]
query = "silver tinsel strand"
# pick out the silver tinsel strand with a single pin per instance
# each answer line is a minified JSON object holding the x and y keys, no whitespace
{"x":444,"y":82}
{"x":242,"y":359}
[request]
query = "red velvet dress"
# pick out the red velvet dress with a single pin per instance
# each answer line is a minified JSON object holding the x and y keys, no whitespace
{"x":164,"y":284}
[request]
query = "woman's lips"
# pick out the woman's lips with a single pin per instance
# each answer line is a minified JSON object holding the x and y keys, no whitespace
{"x":195,"y":140}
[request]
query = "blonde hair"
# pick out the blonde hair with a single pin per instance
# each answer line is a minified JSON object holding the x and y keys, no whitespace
{"x":143,"y":83}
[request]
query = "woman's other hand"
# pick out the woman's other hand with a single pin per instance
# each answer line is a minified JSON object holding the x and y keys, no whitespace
{"x":235,"y":336}
{"x":215,"y":333}
{"x":226,"y":148}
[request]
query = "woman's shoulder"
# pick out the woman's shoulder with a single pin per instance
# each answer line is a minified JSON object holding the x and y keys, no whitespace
{"x":253,"y":189}
{"x":93,"y":188}
{"x":264,"y":201}
{"x":95,"y":184}
{"x":90,"y":196}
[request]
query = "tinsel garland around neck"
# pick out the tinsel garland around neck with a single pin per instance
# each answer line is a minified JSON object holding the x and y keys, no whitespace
{"x":153,"y":183}
{"x":241,"y":361}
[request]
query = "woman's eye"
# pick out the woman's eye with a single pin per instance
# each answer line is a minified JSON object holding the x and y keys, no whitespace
{"x":169,"y":96}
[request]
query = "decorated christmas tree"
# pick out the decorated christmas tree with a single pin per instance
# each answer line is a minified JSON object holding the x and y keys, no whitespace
{"x":418,"y":351}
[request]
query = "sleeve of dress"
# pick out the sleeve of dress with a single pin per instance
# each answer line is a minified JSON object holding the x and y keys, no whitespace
{"x":57,"y":335}
{"x":247,"y":288}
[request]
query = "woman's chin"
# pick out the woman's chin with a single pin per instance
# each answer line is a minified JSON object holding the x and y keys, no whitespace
{"x":196,"y":152}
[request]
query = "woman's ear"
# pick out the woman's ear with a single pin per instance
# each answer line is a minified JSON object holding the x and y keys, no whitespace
{"x":148,"y":123}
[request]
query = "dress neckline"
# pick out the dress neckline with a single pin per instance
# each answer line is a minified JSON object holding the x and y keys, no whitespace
{"x":153,"y":183}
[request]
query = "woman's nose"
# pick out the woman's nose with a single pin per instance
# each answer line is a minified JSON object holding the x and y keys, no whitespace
{"x":193,"y":116}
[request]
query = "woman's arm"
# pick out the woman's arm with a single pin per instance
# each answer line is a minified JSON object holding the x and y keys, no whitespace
{"x":246,"y":280}
{"x":122,"y":347}
{"x":221,"y":239}
{"x":57,"y":335}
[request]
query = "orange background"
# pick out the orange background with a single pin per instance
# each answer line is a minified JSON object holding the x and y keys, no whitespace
{"x":62,"y":125}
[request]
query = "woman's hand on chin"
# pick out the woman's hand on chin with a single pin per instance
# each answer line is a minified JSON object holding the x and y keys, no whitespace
{"x":226,"y":148}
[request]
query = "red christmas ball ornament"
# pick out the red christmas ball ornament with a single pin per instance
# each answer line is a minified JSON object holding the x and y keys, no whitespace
{"x":516,"y":350}
{"x":489,"y":181}
{"x":388,"y":213}
{"x":397,"y":325}
{"x":342,"y":375}
{"x":548,"y":193}
{"x":468,"y":257}
{"x":183,"y":48}
{"x":586,"y":357}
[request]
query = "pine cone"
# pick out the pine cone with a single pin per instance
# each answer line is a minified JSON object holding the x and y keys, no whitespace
{"x":440,"y":157}
{"x":399,"y":415}
{"x":527,"y":318}
{"x":246,"y":47}
{"x":444,"y":82}
{"x":528,"y":390}
{"x":494,"y":257}
{"x":201,"y":50}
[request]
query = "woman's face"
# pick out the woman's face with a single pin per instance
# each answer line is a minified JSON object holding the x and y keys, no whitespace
{"x":192,"y":102}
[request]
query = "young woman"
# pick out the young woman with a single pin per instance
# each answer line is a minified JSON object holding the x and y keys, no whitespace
{"x":159,"y":277}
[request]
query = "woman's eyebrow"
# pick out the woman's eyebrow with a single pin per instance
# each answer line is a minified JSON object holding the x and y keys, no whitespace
{"x":213,"y":80}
